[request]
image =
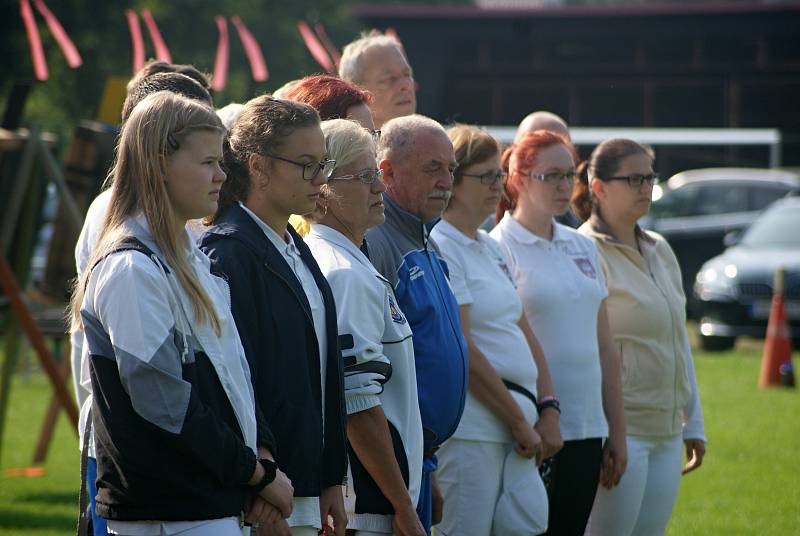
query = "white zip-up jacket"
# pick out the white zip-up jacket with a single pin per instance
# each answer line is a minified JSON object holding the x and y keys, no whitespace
{"x":379,"y":370}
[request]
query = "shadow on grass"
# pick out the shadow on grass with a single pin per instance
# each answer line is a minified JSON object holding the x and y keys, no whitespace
{"x":35,"y":521}
{"x":50,"y":497}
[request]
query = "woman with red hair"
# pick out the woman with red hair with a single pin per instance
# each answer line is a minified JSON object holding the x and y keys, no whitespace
{"x":333,"y":98}
{"x":559,"y":280}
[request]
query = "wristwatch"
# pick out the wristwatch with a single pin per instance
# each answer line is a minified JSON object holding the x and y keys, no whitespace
{"x":270,"y":467}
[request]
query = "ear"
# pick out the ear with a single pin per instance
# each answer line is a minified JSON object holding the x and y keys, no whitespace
{"x":598,"y":188}
{"x":388,"y":171}
{"x":256,"y":165}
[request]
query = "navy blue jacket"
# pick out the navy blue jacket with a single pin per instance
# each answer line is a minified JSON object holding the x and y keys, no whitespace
{"x":275,"y":324}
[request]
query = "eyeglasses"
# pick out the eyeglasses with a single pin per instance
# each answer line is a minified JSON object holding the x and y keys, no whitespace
{"x":310,"y":169}
{"x":553,"y":177}
{"x":368,"y":176}
{"x":490,"y":177}
{"x":636,"y":181}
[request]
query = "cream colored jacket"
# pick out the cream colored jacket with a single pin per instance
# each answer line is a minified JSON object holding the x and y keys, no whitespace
{"x":647,"y":312}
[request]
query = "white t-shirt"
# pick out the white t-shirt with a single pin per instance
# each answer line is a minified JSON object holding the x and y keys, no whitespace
{"x":561,"y":286}
{"x":480,"y":278}
{"x":305,"y":510}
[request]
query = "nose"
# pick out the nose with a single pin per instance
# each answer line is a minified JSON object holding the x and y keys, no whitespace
{"x":220,"y":175}
{"x":319,"y":179}
{"x":378,"y":187}
{"x":407,"y":84}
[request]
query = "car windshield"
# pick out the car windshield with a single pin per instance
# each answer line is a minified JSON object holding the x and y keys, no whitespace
{"x":775,"y":228}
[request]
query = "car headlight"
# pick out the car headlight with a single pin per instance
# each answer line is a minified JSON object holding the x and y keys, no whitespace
{"x":716,"y":282}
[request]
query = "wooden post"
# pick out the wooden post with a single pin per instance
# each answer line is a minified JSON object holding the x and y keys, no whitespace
{"x":49,"y":424}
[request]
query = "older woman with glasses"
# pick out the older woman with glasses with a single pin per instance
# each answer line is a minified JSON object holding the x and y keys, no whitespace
{"x":647,"y":314}
{"x":383,"y":423}
{"x":507,"y":369}
{"x":563,"y":292}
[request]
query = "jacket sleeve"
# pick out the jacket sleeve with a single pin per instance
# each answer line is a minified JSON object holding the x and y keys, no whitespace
{"x":361,"y":316}
{"x":131,"y":304}
{"x":693,"y":427}
{"x":239,"y":268}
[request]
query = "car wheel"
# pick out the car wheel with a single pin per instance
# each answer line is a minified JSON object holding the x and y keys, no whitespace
{"x":716,"y":344}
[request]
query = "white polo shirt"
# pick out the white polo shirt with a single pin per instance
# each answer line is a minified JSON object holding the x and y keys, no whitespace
{"x":561,"y":286}
{"x":480,"y":278}
{"x":305,"y":510}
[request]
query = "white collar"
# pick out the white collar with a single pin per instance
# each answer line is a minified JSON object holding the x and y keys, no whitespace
{"x":523,"y":235}
{"x":281,"y":244}
{"x":331,"y":235}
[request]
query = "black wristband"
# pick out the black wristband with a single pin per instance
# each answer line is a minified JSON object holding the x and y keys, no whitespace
{"x":270,"y":469}
{"x":552,"y":403}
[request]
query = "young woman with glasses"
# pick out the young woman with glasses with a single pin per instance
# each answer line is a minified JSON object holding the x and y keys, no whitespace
{"x":563,"y":292}
{"x":647,"y":314}
{"x":384,"y":427}
{"x":276,"y":163}
{"x":507,"y":370}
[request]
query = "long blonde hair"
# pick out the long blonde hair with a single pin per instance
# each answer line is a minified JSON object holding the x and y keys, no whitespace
{"x":155,"y":130}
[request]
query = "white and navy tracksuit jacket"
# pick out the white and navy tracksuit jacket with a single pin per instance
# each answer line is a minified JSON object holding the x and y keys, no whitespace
{"x":378,"y":355}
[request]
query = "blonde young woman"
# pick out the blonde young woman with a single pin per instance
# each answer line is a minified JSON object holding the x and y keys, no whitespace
{"x":507,"y":369}
{"x":647,"y":314}
{"x":173,"y":412}
{"x":384,"y":427}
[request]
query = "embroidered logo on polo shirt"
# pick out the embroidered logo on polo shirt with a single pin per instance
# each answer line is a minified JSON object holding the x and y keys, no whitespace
{"x":585,"y":266}
{"x":397,"y":316}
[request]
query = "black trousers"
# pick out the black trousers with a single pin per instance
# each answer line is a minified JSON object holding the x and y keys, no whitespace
{"x":571,"y":477}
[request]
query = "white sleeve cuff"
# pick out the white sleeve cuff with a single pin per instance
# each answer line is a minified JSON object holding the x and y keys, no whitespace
{"x":357,"y":404}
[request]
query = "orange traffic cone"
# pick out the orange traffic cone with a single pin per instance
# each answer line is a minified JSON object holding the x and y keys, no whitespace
{"x":778,"y":346}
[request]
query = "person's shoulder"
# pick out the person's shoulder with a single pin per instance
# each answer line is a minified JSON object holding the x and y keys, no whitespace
{"x":575,"y":236}
{"x":128,"y":267}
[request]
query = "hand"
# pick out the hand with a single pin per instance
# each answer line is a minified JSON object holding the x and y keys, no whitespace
{"x":695,"y":452}
{"x":615,"y":460}
{"x":280,"y":528}
{"x":528,"y":441}
{"x":279,"y":493}
{"x":259,"y":512}
{"x":437,"y":501}
{"x":550,"y":431}
{"x":331,"y":509}
{"x":406,"y":521}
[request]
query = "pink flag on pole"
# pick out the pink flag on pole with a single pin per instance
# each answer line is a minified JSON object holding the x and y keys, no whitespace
{"x":328,"y":44}
{"x":136,"y":39}
{"x":257,"y":64}
{"x":315,"y":47}
{"x":37,"y":53}
{"x":61,"y":37}
{"x":223,"y":51}
{"x":162,"y":52}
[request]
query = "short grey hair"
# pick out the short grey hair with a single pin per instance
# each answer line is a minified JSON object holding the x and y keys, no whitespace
{"x":350,"y":65}
{"x":346,"y":141}
{"x":398,"y":133}
{"x":541,"y":120}
{"x":229,"y":114}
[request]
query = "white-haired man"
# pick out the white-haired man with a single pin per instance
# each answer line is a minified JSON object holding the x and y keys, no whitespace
{"x":417,"y":160}
{"x":378,"y":63}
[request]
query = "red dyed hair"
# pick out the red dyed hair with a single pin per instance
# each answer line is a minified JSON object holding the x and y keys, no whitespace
{"x":329,"y":95}
{"x":524,"y":154}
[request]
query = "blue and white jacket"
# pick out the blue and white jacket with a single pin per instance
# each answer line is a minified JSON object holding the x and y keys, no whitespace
{"x":405,"y":255}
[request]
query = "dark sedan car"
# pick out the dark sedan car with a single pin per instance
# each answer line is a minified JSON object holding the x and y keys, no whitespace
{"x":695,"y":209}
{"x":733,"y":291}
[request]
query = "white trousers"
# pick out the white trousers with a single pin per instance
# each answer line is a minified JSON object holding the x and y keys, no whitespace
{"x":470,"y":476}
{"x":228,"y":526}
{"x":642,"y":503}
{"x":304,"y":531}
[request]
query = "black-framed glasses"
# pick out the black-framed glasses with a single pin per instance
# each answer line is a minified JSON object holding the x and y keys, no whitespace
{"x":636,"y":180}
{"x":490,"y":177}
{"x":552,"y":177}
{"x":367,"y":176}
{"x":310,"y":169}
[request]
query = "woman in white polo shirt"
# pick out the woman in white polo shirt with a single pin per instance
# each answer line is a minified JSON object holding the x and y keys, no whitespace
{"x":504,"y":356}
{"x":559,"y":280}
{"x":647,"y":313}
{"x":384,"y":427}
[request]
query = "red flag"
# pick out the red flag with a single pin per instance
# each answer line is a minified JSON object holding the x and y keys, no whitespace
{"x":223,"y":51}
{"x":315,"y":47}
{"x":37,"y":53}
{"x":328,"y":44}
{"x":61,"y":37}
{"x":162,"y":52}
{"x":257,"y":64}
{"x":136,"y":39}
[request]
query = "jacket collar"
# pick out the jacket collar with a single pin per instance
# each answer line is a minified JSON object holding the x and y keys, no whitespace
{"x":600,"y":229}
{"x":341,"y":242}
{"x":407,"y":223}
{"x":523,"y":235}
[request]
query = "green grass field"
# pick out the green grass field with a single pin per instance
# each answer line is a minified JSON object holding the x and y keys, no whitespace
{"x":749,"y":483}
